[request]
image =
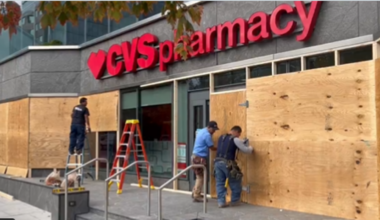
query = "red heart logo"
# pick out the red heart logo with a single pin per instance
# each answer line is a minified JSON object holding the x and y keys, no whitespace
{"x":97,"y":63}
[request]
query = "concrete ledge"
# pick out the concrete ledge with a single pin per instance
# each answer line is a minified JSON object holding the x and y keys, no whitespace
{"x":6,"y":196}
{"x":37,"y":194}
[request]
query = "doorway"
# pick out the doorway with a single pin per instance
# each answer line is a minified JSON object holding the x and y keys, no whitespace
{"x":199,"y":115}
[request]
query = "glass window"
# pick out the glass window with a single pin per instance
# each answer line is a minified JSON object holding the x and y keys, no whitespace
{"x":234,"y":77}
{"x":289,"y":66}
{"x":75,"y":34}
{"x":320,"y":61}
{"x":261,"y":70}
{"x":107,"y":149}
{"x":202,"y":82}
{"x":157,"y":134}
{"x":96,"y":29}
{"x":354,"y":55}
{"x":127,"y":19}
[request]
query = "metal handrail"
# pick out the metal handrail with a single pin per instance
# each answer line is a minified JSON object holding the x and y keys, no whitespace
{"x":119,"y":172}
{"x":74,"y":170}
{"x":159,"y":216}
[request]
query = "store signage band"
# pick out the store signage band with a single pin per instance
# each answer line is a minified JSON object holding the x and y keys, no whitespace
{"x":258,"y":27}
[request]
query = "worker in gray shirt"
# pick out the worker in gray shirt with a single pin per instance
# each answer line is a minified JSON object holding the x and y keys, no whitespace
{"x":226,"y":170}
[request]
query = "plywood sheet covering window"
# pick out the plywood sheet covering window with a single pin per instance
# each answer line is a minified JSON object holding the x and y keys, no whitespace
{"x":4,"y":134}
{"x":314,"y":135}
{"x":18,"y":135}
{"x":50,"y":120}
{"x":103,"y":111}
{"x":225,"y":110}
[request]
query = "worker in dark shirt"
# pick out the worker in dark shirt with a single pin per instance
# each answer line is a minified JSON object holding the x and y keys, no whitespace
{"x":80,"y":118}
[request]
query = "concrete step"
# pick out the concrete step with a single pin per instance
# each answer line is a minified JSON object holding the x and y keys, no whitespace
{"x":97,"y":214}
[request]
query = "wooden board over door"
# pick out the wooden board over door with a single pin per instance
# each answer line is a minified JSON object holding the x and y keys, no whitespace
{"x":314,"y":135}
{"x":103,"y":109}
{"x":49,"y":133}
{"x":225,"y":110}
{"x":18,"y":133}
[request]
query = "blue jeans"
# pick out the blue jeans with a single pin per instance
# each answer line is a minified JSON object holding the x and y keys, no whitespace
{"x":77,"y":136}
{"x":221,"y":175}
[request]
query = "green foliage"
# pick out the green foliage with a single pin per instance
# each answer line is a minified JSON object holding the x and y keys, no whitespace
{"x":176,"y":15}
{"x":53,"y":43}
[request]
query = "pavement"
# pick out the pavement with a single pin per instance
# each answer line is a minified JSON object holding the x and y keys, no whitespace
{"x":21,"y":211}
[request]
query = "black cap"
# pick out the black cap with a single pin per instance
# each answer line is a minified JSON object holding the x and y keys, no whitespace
{"x":213,"y":125}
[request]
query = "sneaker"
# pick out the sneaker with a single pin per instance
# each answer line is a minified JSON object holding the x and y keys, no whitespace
{"x":225,"y":205}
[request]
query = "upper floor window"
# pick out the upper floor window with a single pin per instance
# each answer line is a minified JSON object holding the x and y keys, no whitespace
{"x":320,"y":61}
{"x":354,"y":55}
{"x":260,"y":70}
{"x":288,"y":66}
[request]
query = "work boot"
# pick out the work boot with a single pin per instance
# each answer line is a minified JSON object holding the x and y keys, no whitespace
{"x":79,"y":152}
{"x":225,"y":205}
{"x":235,"y":203}
{"x":200,"y":195}
{"x":199,"y":199}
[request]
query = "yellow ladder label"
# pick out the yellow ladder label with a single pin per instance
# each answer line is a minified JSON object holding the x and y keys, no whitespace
{"x":133,"y":121}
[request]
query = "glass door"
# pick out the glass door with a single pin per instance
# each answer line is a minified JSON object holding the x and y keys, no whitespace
{"x":198,"y":119}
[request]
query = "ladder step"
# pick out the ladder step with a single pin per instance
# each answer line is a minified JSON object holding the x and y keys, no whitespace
{"x":115,"y":180}
{"x":121,"y":156}
{"x":117,"y":168}
{"x":140,"y":155}
{"x":123,"y":144}
{"x":128,"y":132}
{"x":73,"y":164}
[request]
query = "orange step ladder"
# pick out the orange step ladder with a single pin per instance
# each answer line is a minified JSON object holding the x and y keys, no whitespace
{"x":124,"y":151}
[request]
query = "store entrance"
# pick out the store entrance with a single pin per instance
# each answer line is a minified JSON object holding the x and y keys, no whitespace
{"x":199,"y":115}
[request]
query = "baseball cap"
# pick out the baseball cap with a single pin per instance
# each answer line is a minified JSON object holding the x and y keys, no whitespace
{"x":213,"y":124}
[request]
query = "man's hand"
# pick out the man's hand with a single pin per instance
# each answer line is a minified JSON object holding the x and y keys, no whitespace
{"x":88,"y":130}
{"x":214,"y":148}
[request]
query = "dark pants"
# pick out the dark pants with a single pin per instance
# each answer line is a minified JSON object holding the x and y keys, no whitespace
{"x":77,"y":136}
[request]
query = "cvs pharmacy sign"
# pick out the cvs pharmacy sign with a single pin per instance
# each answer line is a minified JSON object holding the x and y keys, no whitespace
{"x":141,"y":52}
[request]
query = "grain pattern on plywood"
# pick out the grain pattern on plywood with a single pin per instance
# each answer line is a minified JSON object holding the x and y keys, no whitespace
{"x":49,"y":133}
{"x":4,"y":134}
{"x":314,"y":135}
{"x":18,"y":135}
{"x":17,"y":172}
{"x":377,"y":98}
{"x":322,"y":104}
{"x":103,"y":111}
{"x":3,"y":169}
{"x":225,"y":110}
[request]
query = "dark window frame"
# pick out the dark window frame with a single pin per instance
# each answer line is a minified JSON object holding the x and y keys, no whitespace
{"x":260,"y":65}
{"x":287,"y":61}
{"x":319,"y":55}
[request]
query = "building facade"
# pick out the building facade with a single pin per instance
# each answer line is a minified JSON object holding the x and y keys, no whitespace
{"x":299,"y":77}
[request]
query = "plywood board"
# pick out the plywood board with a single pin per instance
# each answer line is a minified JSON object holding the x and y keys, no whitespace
{"x":17,"y":172}
{"x":314,"y":135}
{"x":50,"y":120}
{"x":4,"y":134}
{"x":103,"y":111}
{"x":225,"y":110}
{"x":377,"y":98}
{"x":18,"y":135}
{"x":3,"y":169}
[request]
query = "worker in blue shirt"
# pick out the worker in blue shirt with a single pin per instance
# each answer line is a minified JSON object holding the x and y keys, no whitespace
{"x":203,"y":143}
{"x":226,"y":171}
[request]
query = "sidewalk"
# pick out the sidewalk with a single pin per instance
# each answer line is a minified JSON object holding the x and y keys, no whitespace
{"x":21,"y":211}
